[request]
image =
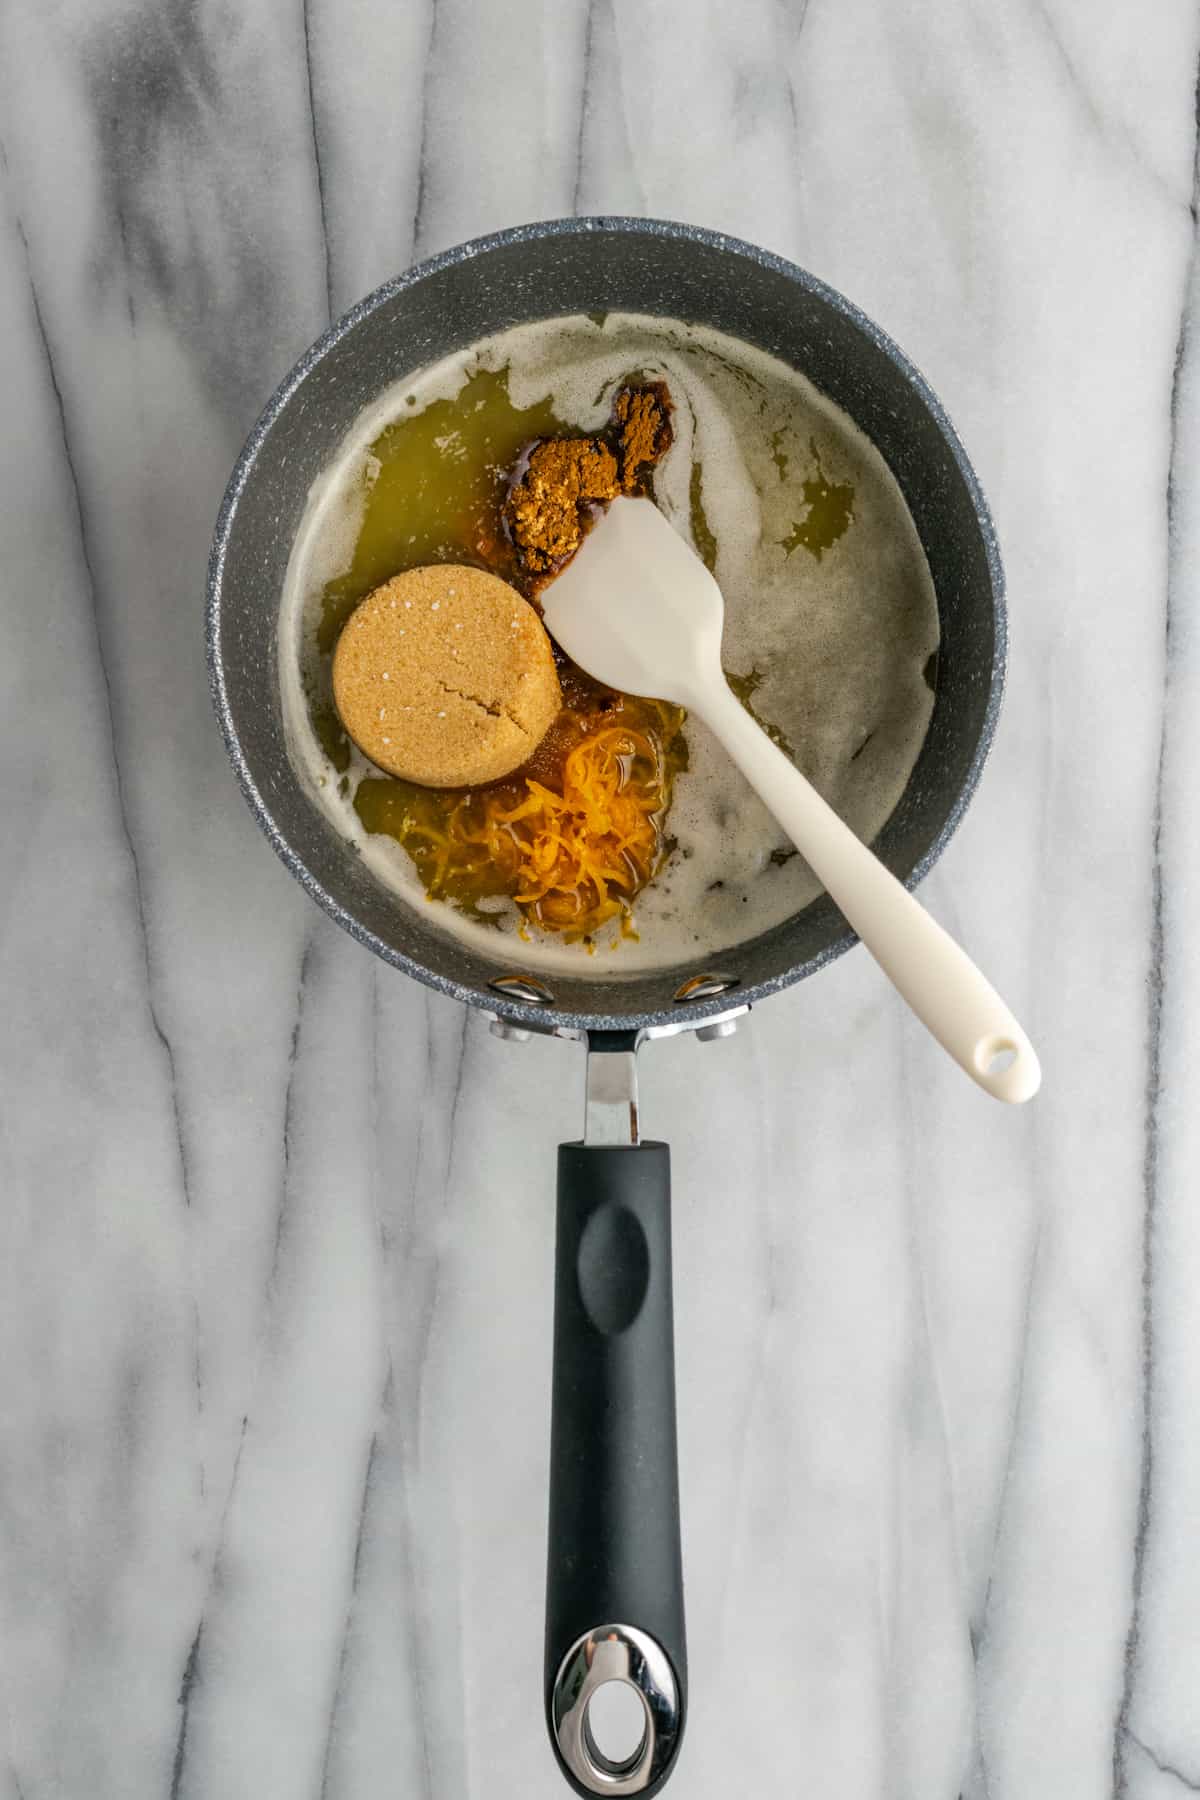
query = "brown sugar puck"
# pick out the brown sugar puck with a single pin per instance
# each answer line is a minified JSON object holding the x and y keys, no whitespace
{"x":445,"y":676}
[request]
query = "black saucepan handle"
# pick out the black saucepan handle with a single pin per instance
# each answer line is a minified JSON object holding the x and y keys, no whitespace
{"x":614,"y":1592}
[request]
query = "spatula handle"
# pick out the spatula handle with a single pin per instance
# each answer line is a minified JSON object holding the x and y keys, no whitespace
{"x":936,"y":977}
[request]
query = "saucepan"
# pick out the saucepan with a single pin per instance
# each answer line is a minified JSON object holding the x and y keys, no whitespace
{"x":614,"y":1601}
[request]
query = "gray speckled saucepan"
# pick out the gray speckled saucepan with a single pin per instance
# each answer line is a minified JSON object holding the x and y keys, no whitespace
{"x":614,"y":1597}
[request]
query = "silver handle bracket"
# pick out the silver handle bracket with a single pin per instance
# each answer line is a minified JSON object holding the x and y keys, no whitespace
{"x":611,"y":1106}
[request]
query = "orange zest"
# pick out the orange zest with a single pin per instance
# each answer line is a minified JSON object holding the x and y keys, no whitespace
{"x":572,"y":851}
{"x":583,"y":854}
{"x":574,"y":859}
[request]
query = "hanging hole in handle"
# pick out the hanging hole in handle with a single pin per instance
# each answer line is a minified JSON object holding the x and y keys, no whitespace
{"x":994,"y":1055}
{"x":615,"y":1726}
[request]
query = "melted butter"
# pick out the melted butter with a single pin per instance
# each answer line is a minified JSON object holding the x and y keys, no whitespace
{"x":416,"y":817}
{"x":702,"y":533}
{"x":744,"y":686}
{"x":434,"y":492}
{"x":829,"y":508}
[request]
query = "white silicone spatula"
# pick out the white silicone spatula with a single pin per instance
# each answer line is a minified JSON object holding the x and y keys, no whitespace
{"x":638,"y":609}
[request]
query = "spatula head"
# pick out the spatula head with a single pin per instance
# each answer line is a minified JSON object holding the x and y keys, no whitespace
{"x":638,"y":609}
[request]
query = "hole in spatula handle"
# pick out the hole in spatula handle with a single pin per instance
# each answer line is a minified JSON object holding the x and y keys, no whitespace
{"x":994,"y":1055}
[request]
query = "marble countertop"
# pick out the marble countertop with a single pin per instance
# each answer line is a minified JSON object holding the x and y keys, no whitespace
{"x":275,"y":1224}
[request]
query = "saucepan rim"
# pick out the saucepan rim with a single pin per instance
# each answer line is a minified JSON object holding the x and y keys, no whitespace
{"x":513,"y":1009}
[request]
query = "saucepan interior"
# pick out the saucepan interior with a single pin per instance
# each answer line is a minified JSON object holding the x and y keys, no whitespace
{"x":537,"y":272}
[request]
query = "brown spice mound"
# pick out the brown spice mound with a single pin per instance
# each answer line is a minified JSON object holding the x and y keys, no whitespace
{"x":544,"y":511}
{"x":562,"y":484}
{"x":644,"y":415}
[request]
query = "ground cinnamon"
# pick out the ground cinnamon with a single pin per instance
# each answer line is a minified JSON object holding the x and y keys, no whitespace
{"x":644,"y":417}
{"x":561,"y":485}
{"x":545,"y":510}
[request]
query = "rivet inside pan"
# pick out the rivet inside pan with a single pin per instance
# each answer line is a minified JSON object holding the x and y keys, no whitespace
{"x":704,"y":987}
{"x":523,"y":987}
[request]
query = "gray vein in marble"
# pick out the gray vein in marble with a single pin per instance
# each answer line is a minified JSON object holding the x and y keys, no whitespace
{"x":372,"y":1455}
{"x":913,"y":1208}
{"x":979,"y":1641}
{"x":1150,"y":1204}
{"x":755,"y":1378}
{"x":137,"y":85}
{"x":192,"y":1664}
{"x":316,"y":150}
{"x":607,"y":178}
{"x":123,"y":240}
{"x":289,"y":1096}
{"x":981,"y":1770}
{"x":374,"y":1115}
{"x":456,"y":1095}
{"x":418,"y":223}
{"x":793,"y":19}
{"x":191,"y":1676}
{"x":411,"y":1253}
{"x":191,"y":1668}
{"x":428,"y":1314}
{"x":123,"y":814}
{"x":1101,"y":123}
{"x":430,"y":1300}
{"x":1190,"y":1782}
{"x":1155,"y":978}
{"x":157,"y":98}
{"x":340,"y":1682}
{"x":797,"y":26}
{"x":368,"y":1478}
{"x":421,"y":1674}
{"x":102,"y":663}
{"x":185,"y":1702}
{"x":197,"y":1367}
{"x":589,"y":34}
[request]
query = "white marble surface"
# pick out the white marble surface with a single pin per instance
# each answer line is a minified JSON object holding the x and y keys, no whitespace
{"x":275,"y":1225}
